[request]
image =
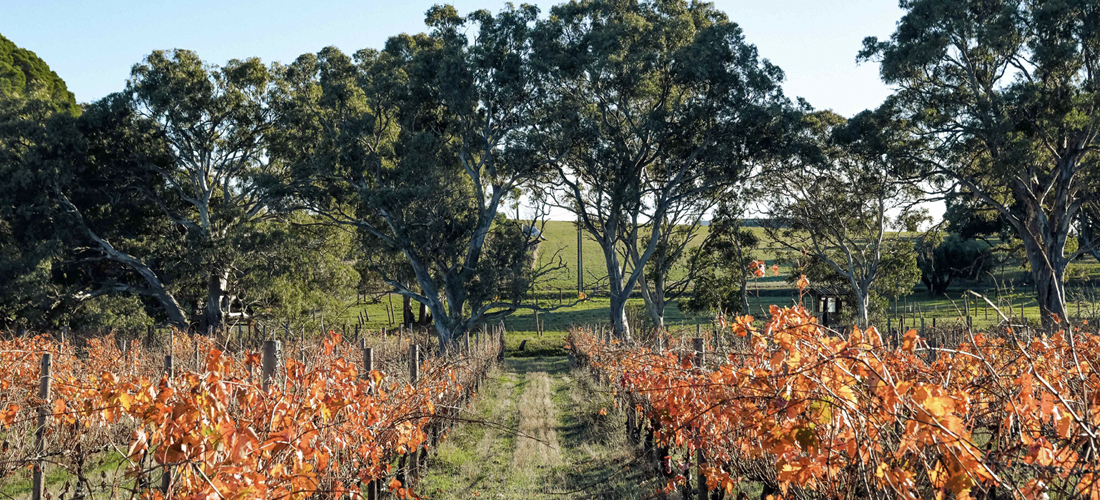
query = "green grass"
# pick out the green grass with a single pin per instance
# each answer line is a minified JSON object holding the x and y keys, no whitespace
{"x":538,"y":433}
{"x":560,"y":287}
{"x":561,"y":243}
{"x":105,"y":469}
{"x":556,"y":323}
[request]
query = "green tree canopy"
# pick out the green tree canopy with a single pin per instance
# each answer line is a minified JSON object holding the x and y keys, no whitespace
{"x":1002,"y":102}
{"x":942,"y":260}
{"x":23,"y":73}
{"x":654,"y":105}
{"x":417,"y":146}
{"x":841,"y":204}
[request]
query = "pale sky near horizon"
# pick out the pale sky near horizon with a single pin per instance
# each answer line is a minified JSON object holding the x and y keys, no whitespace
{"x":92,"y":45}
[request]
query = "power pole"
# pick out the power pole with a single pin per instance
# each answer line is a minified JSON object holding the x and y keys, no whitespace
{"x":580,"y":257}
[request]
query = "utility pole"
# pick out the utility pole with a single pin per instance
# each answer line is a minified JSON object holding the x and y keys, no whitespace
{"x":580,"y":257}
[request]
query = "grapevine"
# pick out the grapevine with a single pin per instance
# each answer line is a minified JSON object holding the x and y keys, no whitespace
{"x":324,"y":426}
{"x":813,"y":413}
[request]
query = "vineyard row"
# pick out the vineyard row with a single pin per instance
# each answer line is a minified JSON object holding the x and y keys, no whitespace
{"x":800,"y":411}
{"x":325,"y":417}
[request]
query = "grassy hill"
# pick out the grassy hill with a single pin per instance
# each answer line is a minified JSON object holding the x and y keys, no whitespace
{"x":561,"y":244}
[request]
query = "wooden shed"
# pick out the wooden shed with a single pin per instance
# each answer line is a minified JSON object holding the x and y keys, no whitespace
{"x":828,"y":304}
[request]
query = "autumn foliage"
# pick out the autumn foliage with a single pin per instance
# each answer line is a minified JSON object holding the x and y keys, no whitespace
{"x":322,"y":427}
{"x":813,"y":414}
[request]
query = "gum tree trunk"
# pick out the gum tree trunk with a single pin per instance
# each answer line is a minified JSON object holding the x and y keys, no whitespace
{"x":216,"y":299}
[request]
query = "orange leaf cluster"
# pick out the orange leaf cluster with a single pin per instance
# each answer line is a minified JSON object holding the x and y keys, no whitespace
{"x":323,"y":427}
{"x":815,"y":415}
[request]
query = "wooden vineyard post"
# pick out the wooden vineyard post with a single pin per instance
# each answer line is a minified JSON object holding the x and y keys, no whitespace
{"x":701,"y":479}
{"x":195,"y":340}
{"x":166,"y":471}
{"x":466,"y":341}
{"x":272,"y":353}
{"x":966,"y":310}
{"x":368,"y":361}
{"x":169,"y":369}
{"x":414,"y":363}
{"x":38,"y":486}
{"x":414,"y":376}
{"x":717,"y":338}
{"x":697,"y":343}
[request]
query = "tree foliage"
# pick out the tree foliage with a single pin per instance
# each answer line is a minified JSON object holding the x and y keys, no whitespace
{"x":24,"y":73}
{"x":843,"y":206}
{"x":1002,"y":102}
{"x":417,"y":146}
{"x":653,"y":105}
{"x":942,"y":260}
{"x":723,"y":262}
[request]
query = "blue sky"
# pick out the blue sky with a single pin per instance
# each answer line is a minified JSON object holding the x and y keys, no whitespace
{"x":92,"y":45}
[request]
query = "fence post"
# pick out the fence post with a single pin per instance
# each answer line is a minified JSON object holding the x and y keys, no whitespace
{"x":414,"y":363}
{"x":697,"y":342}
{"x":166,"y":472}
{"x":701,"y":482}
{"x":466,"y":340}
{"x":195,"y":340}
{"x":38,"y":484}
{"x":272,"y":353}
{"x":368,"y":360}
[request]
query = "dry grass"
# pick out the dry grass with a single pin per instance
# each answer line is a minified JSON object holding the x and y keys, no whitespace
{"x":538,"y":422}
{"x":544,"y":437}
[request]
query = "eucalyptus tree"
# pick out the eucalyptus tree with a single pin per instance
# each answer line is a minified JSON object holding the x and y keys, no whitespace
{"x":1004,"y":96}
{"x":653,"y":105}
{"x":680,"y":231}
{"x":75,"y":226}
{"x":22,"y":73}
{"x":214,"y":122}
{"x":841,"y":203}
{"x":942,"y":259}
{"x":417,"y":146}
{"x":721,"y":264}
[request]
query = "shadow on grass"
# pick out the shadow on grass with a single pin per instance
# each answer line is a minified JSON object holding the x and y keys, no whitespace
{"x":552,"y":365}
